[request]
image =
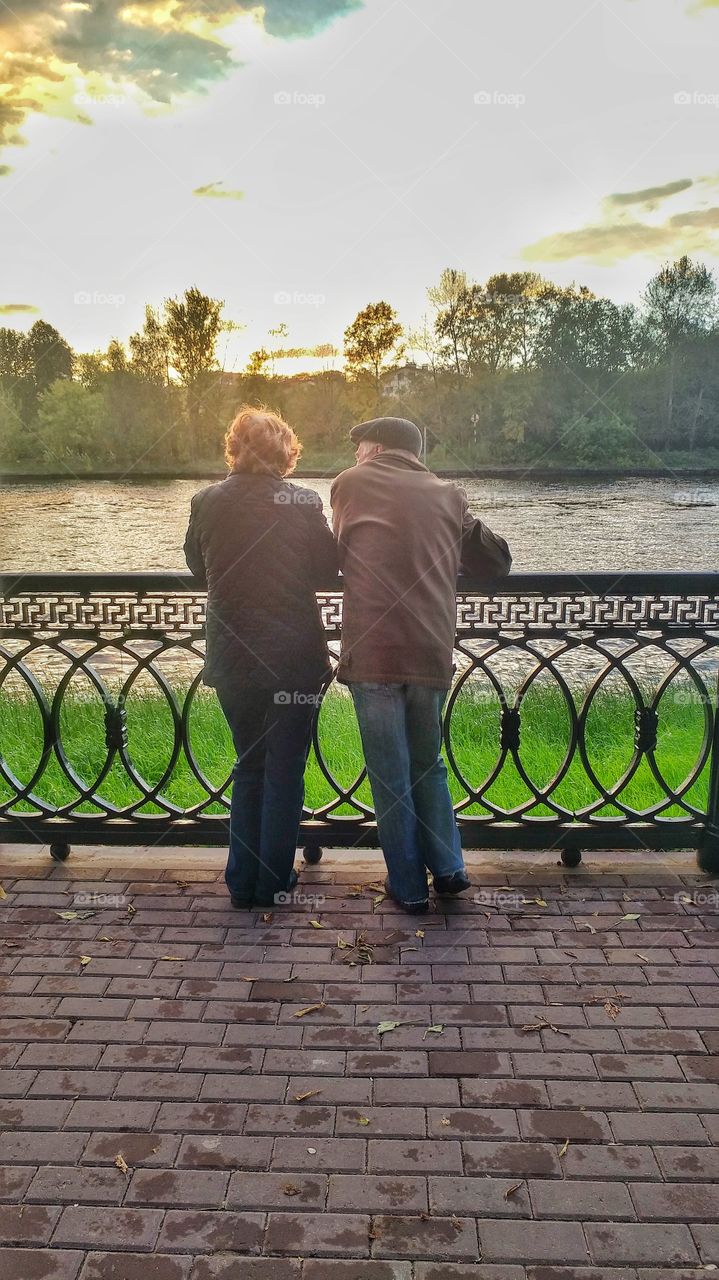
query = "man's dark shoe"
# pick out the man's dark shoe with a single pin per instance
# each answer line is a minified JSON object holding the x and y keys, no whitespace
{"x":450,"y":886}
{"x":272,"y":900}
{"x":412,"y":908}
{"x":241,"y":904}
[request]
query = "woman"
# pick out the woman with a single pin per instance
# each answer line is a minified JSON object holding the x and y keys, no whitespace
{"x":261,"y":547}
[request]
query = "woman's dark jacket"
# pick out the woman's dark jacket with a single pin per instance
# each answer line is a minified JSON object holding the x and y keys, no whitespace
{"x":262,"y":546}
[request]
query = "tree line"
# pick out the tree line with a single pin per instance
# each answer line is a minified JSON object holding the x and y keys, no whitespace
{"x":515,"y":370}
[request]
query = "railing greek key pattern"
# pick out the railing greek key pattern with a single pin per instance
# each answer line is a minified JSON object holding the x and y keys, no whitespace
{"x":98,"y":651}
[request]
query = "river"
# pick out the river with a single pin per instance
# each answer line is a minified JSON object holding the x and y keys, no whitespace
{"x":563,"y":525}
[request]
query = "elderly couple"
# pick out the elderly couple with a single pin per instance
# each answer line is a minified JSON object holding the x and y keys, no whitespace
{"x":262,"y":547}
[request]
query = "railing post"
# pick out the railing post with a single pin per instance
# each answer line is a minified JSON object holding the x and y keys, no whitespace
{"x":708,"y":855}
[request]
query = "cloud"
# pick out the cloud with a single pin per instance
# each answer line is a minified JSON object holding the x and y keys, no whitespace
{"x":218,"y":190}
{"x":5,"y":169}
{"x":162,"y":50}
{"x":16,"y":308}
{"x":622,"y":230}
{"x":650,"y":197}
{"x":603,"y":244}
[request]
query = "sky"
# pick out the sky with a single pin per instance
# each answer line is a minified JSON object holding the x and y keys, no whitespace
{"x":306,"y":157}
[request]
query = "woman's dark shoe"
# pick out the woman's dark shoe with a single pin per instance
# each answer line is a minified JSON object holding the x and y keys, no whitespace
{"x":412,"y":908}
{"x":450,"y":886}
{"x":277,"y":899}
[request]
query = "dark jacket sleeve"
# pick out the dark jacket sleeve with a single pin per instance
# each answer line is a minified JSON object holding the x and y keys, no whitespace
{"x":323,"y":548}
{"x":193,"y":549}
{"x":484,"y":554}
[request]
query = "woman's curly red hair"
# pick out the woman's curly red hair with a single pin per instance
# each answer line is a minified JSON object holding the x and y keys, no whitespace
{"x":261,"y":441}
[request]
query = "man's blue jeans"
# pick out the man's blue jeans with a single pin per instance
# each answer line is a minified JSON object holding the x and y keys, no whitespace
{"x":271,"y":731}
{"x":401,"y":729}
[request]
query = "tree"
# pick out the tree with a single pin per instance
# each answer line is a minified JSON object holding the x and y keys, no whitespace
{"x":447,"y":299}
{"x":71,"y":423}
{"x":50,"y":356}
{"x":372,"y":341}
{"x":193,"y":324}
{"x":150,"y":350}
{"x":680,"y":305}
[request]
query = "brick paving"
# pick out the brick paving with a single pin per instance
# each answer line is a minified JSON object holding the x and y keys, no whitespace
{"x":188,"y":1092}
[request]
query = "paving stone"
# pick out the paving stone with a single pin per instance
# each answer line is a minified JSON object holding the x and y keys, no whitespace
{"x":207,"y":1232}
{"x":87,"y":1227}
{"x":44,"y":1264}
{"x":136,"y":1266}
{"x":667,"y":1243}
{"x":309,"y":1234}
{"x":411,"y":1237}
{"x":377,"y":1193}
{"x":515,"y":1241}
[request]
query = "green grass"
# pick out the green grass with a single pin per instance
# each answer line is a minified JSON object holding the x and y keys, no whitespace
{"x":474,"y":741}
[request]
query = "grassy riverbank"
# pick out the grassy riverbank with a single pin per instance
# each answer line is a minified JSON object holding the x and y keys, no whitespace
{"x":474,"y":741}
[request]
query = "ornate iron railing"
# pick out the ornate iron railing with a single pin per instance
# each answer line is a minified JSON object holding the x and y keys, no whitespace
{"x":583,"y":713}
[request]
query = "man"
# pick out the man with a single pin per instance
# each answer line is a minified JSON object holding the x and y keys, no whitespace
{"x":403,"y":536}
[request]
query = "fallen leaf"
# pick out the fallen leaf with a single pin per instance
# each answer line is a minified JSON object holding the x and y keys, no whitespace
{"x":316,"y":924}
{"x":378,"y":900}
{"x":183,"y":884}
{"x":564,"y":1148}
{"x":2,"y":892}
{"x":267,"y":917}
{"x":419,"y":933}
{"x":612,"y":1010}
{"x":311,"y":1093}
{"x":311,"y":1008}
{"x":436,"y":1030}
{"x":131,"y":911}
{"x":172,"y":958}
{"x":445,"y":1122}
{"x":121,"y":1163}
{"x":342,"y":944}
{"x":75,"y":915}
{"x":456,"y":1222}
{"x":539,"y":902}
{"x":85,"y":960}
{"x":631,"y":916}
{"x":584,"y":924}
{"x":289,"y":1189}
{"x":641,"y":957}
{"x":362,"y":1120}
{"x":383,"y":1027}
{"x":514,"y":1188}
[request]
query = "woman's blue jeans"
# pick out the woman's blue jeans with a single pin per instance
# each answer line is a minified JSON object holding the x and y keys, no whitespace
{"x":271,"y":730}
{"x":401,"y":730}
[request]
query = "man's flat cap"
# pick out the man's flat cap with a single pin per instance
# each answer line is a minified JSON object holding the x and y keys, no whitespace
{"x":393,"y":433}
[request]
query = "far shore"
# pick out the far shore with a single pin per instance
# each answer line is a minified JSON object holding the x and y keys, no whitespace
{"x":507,"y":471}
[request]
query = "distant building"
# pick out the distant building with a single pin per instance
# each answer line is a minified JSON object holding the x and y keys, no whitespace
{"x":398,"y":381}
